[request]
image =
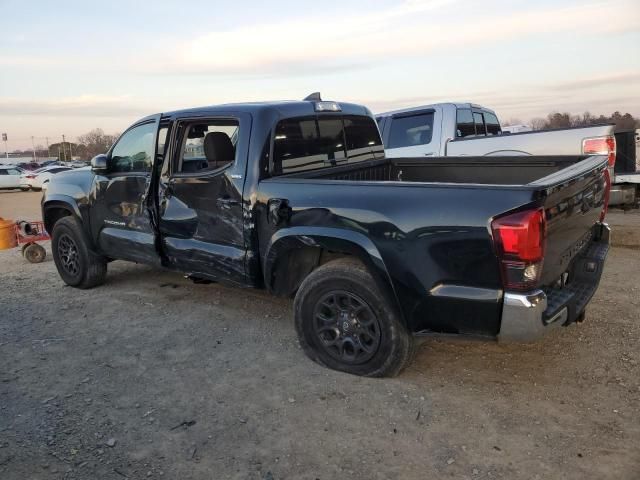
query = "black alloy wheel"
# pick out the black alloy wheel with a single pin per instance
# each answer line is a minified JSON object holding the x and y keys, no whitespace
{"x":346,"y":327}
{"x":68,"y":254}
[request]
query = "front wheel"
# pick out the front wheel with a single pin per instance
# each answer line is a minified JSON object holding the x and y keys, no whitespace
{"x":344,"y":323}
{"x":76,"y":264}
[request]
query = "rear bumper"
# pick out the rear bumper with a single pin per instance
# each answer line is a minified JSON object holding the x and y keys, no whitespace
{"x":528,"y":316}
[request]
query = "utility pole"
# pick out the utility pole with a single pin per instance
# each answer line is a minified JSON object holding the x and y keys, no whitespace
{"x":33,"y":146}
{"x":63,"y":149}
{"x":6,"y":149}
{"x":48,"y":153}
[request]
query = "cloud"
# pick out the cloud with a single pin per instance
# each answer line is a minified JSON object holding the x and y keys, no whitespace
{"x":535,"y":100}
{"x":82,"y":105}
{"x":610,"y":80}
{"x":410,"y":30}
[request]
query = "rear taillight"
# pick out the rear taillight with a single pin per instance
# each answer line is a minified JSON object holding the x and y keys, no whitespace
{"x":607,"y":193}
{"x":520,"y":241}
{"x":31,"y":176}
{"x":601,"y":146}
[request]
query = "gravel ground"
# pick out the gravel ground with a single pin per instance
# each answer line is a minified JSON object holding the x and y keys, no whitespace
{"x":151,"y":376}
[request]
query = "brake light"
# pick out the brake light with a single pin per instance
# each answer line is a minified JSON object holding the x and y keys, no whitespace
{"x":607,"y":193}
{"x":520,"y":242}
{"x":31,"y":176}
{"x":601,"y":146}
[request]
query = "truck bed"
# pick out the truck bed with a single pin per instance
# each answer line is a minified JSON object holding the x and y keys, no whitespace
{"x":453,"y":200}
{"x":503,"y":170}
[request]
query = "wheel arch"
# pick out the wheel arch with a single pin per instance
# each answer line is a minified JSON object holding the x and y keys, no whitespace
{"x":293,"y":253}
{"x":58,"y":206}
{"x":53,"y":209}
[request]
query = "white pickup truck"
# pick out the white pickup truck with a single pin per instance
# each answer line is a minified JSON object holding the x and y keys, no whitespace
{"x":461,"y":129}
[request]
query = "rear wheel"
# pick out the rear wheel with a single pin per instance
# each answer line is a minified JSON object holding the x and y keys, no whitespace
{"x":25,"y":189}
{"x":77,"y":266}
{"x":344,"y":323}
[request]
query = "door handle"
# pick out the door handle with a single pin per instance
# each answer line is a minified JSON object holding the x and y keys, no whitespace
{"x":168,"y":191}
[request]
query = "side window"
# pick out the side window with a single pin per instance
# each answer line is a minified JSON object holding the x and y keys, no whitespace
{"x":207,"y":145}
{"x":162,"y":139}
{"x":307,"y":143}
{"x":4,"y":172}
{"x":464,"y":123}
{"x":493,"y":126}
{"x":479,"y":122}
{"x":411,"y":131}
{"x":134,"y":150}
{"x":363,"y":138}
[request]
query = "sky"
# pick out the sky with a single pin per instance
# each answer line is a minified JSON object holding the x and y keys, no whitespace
{"x":67,"y":67}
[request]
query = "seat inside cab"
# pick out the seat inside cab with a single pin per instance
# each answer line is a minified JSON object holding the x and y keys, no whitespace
{"x":208,"y":146}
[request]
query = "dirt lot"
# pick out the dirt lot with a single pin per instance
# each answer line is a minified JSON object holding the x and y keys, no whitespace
{"x":151,"y":376}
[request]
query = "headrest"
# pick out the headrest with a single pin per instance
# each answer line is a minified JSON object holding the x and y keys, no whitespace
{"x":218,"y":148}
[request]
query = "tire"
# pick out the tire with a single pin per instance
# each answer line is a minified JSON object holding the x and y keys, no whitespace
{"x":344,"y":323}
{"x":25,"y":189}
{"x":34,"y":253}
{"x":77,"y":266}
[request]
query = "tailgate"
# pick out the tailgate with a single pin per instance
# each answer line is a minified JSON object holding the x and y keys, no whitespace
{"x":574,"y":200}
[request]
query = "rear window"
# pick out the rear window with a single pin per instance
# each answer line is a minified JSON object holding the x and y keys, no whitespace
{"x":493,"y":126}
{"x":363,"y":138}
{"x":464,"y":120}
{"x":479,"y":121}
{"x":411,"y":130}
{"x":310,"y":143}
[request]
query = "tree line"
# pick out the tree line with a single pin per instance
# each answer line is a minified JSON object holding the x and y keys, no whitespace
{"x":85,"y":147}
{"x":556,"y":120}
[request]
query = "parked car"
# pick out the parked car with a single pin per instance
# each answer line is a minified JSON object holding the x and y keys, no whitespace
{"x":627,"y":176}
{"x":48,"y":163}
{"x":29,"y":165}
{"x":461,"y":129}
{"x":10,"y":178}
{"x":38,"y":179}
{"x":298,"y":198}
{"x":516,"y":129}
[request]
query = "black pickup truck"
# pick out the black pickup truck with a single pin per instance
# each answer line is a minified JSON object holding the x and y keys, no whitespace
{"x":298,"y":198}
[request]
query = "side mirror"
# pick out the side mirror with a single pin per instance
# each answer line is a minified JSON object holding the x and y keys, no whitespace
{"x":99,"y":164}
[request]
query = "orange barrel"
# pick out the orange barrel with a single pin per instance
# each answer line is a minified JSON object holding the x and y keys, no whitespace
{"x":7,"y":234}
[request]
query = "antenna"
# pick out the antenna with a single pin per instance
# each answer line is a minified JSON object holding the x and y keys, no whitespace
{"x":314,"y":97}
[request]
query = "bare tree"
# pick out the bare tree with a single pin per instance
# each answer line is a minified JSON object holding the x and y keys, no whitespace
{"x":513,"y":121}
{"x":538,"y":123}
{"x":564,"y":120}
{"x":94,"y":143}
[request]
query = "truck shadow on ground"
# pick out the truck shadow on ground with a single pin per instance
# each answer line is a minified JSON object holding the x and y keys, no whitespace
{"x":451,"y":359}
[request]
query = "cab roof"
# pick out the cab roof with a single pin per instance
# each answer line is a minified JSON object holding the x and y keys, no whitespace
{"x":284,"y":109}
